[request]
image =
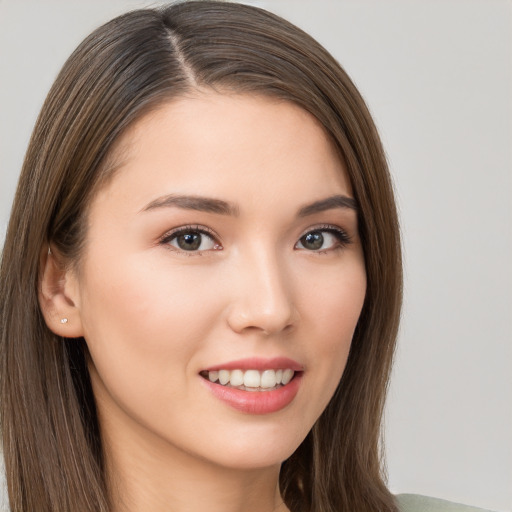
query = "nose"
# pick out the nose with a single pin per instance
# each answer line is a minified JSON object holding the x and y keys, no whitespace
{"x":263,"y":298}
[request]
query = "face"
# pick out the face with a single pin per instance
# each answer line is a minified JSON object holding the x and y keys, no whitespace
{"x":222,"y":281}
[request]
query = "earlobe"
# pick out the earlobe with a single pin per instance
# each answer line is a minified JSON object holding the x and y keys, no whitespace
{"x":58,"y":296}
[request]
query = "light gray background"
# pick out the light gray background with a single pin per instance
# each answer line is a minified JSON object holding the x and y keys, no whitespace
{"x":437,"y":75}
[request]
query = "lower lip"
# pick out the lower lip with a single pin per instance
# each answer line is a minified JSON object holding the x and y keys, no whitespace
{"x":256,"y":402}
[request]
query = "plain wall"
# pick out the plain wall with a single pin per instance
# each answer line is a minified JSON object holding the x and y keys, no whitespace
{"x":437,"y":76}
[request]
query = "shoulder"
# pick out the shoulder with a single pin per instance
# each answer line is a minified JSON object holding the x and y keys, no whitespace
{"x":417,"y":503}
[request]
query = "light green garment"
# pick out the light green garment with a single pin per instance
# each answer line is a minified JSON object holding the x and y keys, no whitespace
{"x":417,"y":503}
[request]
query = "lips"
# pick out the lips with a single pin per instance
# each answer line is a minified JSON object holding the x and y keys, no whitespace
{"x":258,"y":363}
{"x":255,"y":386}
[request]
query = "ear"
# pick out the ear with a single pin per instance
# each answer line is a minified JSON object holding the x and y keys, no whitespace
{"x":59,"y":295}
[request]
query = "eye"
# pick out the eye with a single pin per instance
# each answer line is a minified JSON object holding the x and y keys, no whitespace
{"x":323,"y":239}
{"x":191,"y":240}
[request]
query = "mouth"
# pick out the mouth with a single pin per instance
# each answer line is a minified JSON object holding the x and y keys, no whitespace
{"x":251,"y":379}
{"x":255,"y":385}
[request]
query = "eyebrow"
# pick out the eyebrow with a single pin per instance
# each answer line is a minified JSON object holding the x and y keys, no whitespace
{"x":198,"y":203}
{"x":218,"y":206}
{"x":337,"y":201}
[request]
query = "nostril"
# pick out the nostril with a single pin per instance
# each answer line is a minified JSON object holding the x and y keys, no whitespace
{"x":263,"y":322}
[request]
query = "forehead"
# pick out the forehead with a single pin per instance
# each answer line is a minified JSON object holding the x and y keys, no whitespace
{"x":228,"y":144}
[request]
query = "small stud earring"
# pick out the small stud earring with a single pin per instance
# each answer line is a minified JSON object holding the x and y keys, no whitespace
{"x":63,"y":320}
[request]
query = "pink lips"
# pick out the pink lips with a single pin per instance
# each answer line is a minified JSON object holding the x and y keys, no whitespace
{"x":257,"y":402}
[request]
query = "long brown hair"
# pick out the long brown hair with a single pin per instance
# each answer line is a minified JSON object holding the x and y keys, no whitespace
{"x":51,"y":437}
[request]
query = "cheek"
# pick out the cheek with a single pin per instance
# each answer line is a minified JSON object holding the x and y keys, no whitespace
{"x":141,"y":295}
{"x":334,"y":302}
{"x":142,"y":323}
{"x":333,"y":310}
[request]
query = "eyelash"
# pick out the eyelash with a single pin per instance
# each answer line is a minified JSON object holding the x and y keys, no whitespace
{"x":342,"y":237}
{"x":183,"y":230}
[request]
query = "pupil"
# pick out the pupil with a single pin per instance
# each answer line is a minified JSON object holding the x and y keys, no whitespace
{"x":313,"y":240}
{"x":189,"y":242}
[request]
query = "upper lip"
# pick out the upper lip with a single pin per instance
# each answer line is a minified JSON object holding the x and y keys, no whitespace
{"x":258,"y":363}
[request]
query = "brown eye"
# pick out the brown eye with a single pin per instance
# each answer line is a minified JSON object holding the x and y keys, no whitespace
{"x":189,"y":241}
{"x":312,"y":241}
{"x":323,"y":239}
{"x":192,"y":241}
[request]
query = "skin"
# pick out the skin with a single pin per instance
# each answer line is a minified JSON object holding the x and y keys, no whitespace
{"x":154,"y":315}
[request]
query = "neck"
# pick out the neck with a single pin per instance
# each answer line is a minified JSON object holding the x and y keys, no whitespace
{"x":154,"y":476}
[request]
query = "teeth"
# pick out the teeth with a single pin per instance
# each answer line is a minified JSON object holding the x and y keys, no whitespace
{"x":251,"y":380}
{"x":268,"y":379}
{"x":224,"y":376}
{"x":287,"y":376}
{"x":237,"y":378}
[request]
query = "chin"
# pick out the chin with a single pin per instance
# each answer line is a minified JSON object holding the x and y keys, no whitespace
{"x":246,"y":450}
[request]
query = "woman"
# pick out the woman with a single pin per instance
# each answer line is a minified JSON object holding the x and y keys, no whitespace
{"x":201,"y":279}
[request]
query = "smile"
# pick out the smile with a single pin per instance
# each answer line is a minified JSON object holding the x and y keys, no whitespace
{"x":251,"y":380}
{"x":255,"y":385}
